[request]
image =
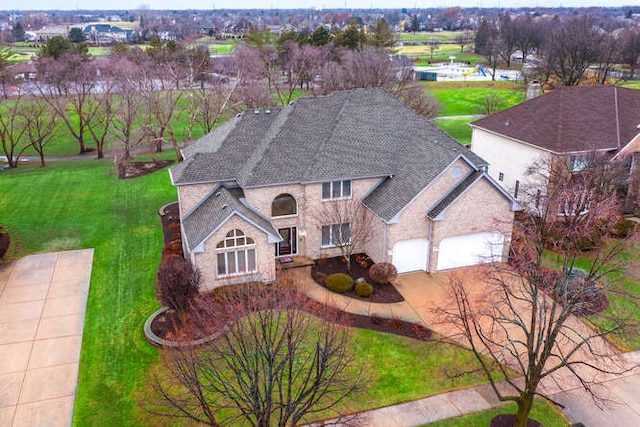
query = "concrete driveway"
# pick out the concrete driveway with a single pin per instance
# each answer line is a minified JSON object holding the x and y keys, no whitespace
{"x":42,"y":305}
{"x":426,"y":293}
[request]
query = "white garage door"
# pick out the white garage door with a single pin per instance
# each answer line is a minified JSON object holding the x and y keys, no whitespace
{"x":410,"y":255}
{"x":472,"y":249}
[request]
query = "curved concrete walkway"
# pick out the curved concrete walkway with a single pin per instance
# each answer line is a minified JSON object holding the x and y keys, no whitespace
{"x":42,"y":305}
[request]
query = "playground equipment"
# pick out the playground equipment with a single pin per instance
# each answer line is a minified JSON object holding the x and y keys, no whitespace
{"x":476,"y":69}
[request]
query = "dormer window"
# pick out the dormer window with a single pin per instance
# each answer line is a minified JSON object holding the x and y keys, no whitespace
{"x":336,"y":190}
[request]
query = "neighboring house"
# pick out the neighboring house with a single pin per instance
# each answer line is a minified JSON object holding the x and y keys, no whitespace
{"x":569,"y":124}
{"x":106,"y":34}
{"x":48,"y":31}
{"x":251,"y":191}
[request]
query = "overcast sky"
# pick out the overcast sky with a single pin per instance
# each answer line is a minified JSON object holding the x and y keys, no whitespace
{"x":292,"y":4}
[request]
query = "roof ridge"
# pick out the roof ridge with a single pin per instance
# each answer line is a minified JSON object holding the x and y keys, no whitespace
{"x":319,"y":148}
{"x":259,"y":150}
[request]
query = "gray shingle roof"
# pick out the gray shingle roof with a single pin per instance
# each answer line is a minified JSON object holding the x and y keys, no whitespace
{"x":219,"y":205}
{"x":573,"y":119}
{"x":345,"y":135}
{"x":454,"y":194}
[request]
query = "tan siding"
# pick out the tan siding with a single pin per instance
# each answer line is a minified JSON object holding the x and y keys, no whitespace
{"x":480,"y":209}
{"x":206,"y":261}
{"x":413,"y":223}
{"x":191,"y":195}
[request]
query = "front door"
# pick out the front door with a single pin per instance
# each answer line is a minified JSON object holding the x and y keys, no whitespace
{"x":289,"y":244}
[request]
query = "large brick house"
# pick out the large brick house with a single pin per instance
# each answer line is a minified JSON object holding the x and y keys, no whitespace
{"x":569,"y":125}
{"x":251,"y":190}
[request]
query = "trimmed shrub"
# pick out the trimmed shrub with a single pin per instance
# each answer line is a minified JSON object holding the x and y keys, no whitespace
{"x":339,"y":282}
{"x":364,"y":289}
{"x":5,"y":242}
{"x":383,"y":272}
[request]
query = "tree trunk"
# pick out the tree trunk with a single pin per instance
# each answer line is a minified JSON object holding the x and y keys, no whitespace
{"x":524,"y":408}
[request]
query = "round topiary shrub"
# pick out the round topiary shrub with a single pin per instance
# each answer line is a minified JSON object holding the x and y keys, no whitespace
{"x":339,"y":282}
{"x":364,"y":289}
{"x":383,"y":272}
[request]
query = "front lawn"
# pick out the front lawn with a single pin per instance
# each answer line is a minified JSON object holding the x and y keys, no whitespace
{"x":82,"y":204}
{"x":543,"y":411}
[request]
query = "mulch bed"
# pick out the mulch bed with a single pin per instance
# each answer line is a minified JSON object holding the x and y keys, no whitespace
{"x":138,"y":169}
{"x":360,"y":263}
{"x":164,"y":324}
{"x":507,"y":420}
{"x":171,"y":216}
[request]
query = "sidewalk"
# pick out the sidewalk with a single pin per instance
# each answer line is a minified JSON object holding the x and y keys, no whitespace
{"x":42,"y":306}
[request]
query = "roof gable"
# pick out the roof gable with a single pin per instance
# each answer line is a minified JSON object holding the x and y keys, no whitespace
{"x":216,"y":209}
{"x":572,"y":119}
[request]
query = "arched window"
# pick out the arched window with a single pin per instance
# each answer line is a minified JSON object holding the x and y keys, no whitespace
{"x":236,"y":254}
{"x":284,"y":204}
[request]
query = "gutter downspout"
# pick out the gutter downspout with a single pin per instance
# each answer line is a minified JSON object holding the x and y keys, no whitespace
{"x":617,"y":112}
{"x":430,"y":244}
{"x":384,"y":243}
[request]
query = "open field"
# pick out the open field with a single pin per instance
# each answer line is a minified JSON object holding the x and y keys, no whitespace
{"x":465,"y":98}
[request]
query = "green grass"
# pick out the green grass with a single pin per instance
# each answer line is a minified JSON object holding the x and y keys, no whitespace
{"x":543,"y":411}
{"x":465,"y":98}
{"x":83,"y":205}
{"x":458,"y":128}
{"x":620,"y":304}
{"x":422,"y":54}
{"x":404,"y":369}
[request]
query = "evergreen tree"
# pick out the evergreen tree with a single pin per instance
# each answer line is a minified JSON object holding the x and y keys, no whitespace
{"x":18,"y":32}
{"x":382,"y":34}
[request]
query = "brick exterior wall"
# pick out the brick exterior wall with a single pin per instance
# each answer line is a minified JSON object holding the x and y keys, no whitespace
{"x":206,"y":261}
{"x":476,"y":211}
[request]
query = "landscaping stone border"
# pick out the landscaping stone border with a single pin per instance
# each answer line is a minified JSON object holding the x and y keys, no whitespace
{"x":161,"y":342}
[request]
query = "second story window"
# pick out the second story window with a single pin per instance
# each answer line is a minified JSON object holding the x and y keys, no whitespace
{"x":579,"y":162}
{"x":336,"y":190}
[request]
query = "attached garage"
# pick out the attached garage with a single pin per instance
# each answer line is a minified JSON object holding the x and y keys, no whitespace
{"x":411,"y":255}
{"x":470,"y":249}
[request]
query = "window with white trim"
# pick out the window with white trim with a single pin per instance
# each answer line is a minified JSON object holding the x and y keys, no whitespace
{"x":336,"y":190}
{"x":336,"y":234}
{"x":284,"y":205}
{"x":236,"y":254}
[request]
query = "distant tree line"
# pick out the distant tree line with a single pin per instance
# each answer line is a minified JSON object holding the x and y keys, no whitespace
{"x":561,"y":52}
{"x":134,"y":97}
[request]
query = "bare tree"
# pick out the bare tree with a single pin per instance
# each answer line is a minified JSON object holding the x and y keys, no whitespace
{"x":434,"y":44}
{"x":13,"y":129}
{"x":41,"y":123}
{"x":371,"y":67}
{"x":346,"y":224}
{"x":272,"y":362}
{"x":68,"y":86}
{"x":463,"y":39}
{"x":128,"y":124}
{"x":524,"y":326}
{"x":528,"y":36}
{"x":571,"y":48}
